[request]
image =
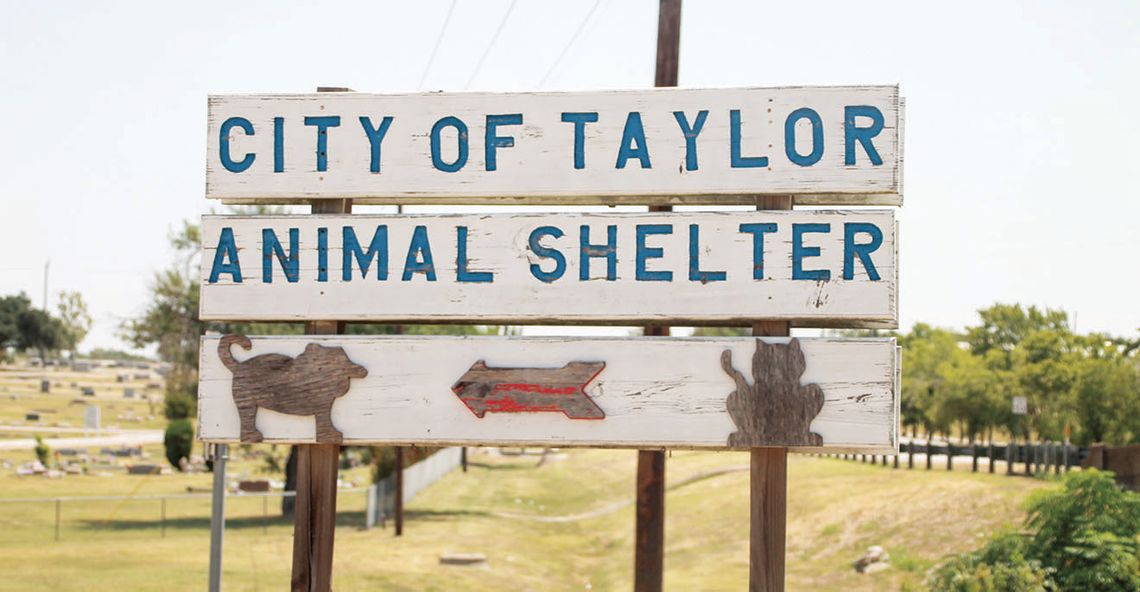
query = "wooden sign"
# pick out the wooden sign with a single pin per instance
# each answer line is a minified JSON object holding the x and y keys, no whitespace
{"x":711,"y":393}
{"x":812,"y":267}
{"x":826,"y":145}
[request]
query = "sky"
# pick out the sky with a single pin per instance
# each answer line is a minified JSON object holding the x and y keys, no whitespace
{"x":1021,"y":156}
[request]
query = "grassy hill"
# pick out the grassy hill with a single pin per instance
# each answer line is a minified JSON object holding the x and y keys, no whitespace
{"x":565,"y":525}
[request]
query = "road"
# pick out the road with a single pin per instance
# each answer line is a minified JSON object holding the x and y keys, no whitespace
{"x":110,"y":439}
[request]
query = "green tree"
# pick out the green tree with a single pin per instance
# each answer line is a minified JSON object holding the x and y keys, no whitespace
{"x":39,"y":331}
{"x":11,"y":309}
{"x":1106,"y":395}
{"x":925,"y":349}
{"x":1006,"y":325}
{"x":74,"y":319}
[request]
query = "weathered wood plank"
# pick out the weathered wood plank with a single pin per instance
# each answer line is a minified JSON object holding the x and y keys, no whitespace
{"x":836,"y":145}
{"x":653,"y":392}
{"x":696,"y":268}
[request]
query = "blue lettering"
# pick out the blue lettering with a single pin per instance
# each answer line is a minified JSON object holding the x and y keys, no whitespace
{"x":491,"y":139}
{"x":691,"y":134}
{"x":800,"y":252}
{"x":377,"y":249}
{"x":461,"y":158}
{"x":271,"y":248}
{"x":419,"y":256}
{"x":816,"y":137}
{"x":608,"y":250}
{"x":323,"y":124}
{"x":633,"y":142}
{"x":738,"y":161}
{"x":580,"y":120}
{"x":322,"y":254}
{"x":375,"y":138}
{"x":695,"y":273}
{"x":278,"y":144}
{"x":645,"y":253}
{"x":758,"y":231}
{"x":863,"y":251}
{"x":863,"y":135}
{"x":461,"y":272}
{"x":224,"y":144}
{"x":227,"y":249}
{"x":548,"y":253}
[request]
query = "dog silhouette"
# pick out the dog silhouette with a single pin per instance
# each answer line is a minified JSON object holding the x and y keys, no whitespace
{"x":305,"y":385}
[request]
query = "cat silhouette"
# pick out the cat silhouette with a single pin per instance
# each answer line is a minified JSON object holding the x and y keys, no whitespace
{"x":305,"y":385}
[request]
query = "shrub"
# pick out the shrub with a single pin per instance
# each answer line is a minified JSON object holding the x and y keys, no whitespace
{"x":1082,"y":537}
{"x":179,"y":441}
{"x":179,"y":404}
{"x":43,"y":453}
{"x":1087,"y":531}
{"x":999,"y":566}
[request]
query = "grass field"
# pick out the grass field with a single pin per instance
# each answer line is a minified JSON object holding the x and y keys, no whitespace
{"x":64,"y":406}
{"x":836,"y":510}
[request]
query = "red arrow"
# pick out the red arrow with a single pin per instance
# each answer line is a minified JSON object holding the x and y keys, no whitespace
{"x":529,"y":390}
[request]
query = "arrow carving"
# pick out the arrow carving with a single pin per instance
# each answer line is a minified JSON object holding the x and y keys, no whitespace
{"x":530,"y":390}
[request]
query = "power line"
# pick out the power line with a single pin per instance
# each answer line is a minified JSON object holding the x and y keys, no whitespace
{"x":573,"y":39}
{"x":491,"y":45}
{"x":438,"y":41}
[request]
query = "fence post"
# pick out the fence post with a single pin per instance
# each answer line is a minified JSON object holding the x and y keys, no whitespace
{"x":990,"y":452}
{"x":1009,"y":458}
{"x":1065,"y":455}
{"x":910,"y":455}
{"x":929,"y":454}
{"x":973,"y":457}
{"x":949,"y":455}
{"x":1028,"y":459}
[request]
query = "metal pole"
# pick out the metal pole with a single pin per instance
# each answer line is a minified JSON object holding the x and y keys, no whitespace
{"x":218,"y":516}
{"x":649,"y":531}
{"x":399,"y":502}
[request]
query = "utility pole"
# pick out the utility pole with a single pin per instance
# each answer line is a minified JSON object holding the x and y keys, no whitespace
{"x":47,"y":264}
{"x":649,"y":543}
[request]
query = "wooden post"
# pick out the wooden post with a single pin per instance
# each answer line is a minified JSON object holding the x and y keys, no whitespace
{"x":991,"y":455}
{"x":949,"y":455}
{"x":649,"y":543}
{"x":1009,"y":451}
{"x":315,"y":510}
{"x":769,"y":477}
{"x":910,"y":454}
{"x":463,"y":458}
{"x":399,"y":509}
{"x":650,"y":539}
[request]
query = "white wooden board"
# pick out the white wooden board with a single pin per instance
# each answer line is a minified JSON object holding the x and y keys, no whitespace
{"x":653,"y":392}
{"x":511,"y":271}
{"x":835,"y":145}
